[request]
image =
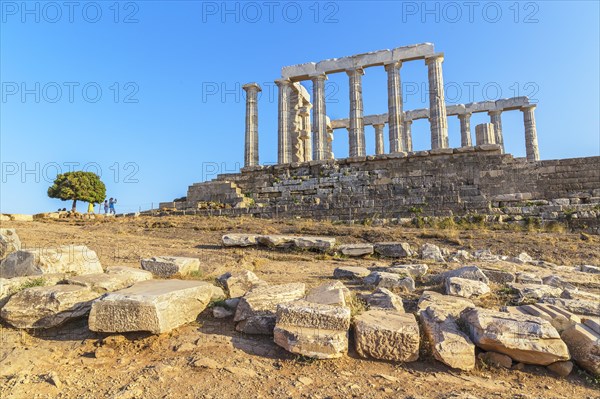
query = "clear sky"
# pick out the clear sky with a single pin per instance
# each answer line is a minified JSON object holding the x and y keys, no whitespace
{"x":148,"y":93}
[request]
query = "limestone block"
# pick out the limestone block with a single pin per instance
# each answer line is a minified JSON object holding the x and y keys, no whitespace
{"x":255,"y":313}
{"x":499,"y":276}
{"x":391,"y":281}
{"x":9,"y":242}
{"x":73,"y":259}
{"x":466,"y":288}
{"x":239,"y":282}
{"x":495,"y":359}
{"x":356,"y":249}
{"x":387,"y":335}
{"x":521,"y":259}
{"x":168,"y":266}
{"x":561,"y":320}
{"x":562,"y":369}
{"x":314,"y":243}
{"x":443,"y":304}
{"x":526,"y":339}
{"x":527,"y":278}
{"x":394,"y":249}
{"x":535,"y":291}
{"x":107,"y":282}
{"x":45,"y":307}
{"x":413,"y":270}
{"x":412,"y":52}
{"x":350,"y":272}
{"x":17,"y":217}
{"x":590,"y":269}
{"x":578,"y":306}
{"x":239,"y":240}
{"x":334,"y":293}
{"x":431,"y":252}
{"x":558,"y":282}
{"x":382,"y":298}
{"x":584,"y":345}
{"x":156,"y":306}
{"x":466,"y":272}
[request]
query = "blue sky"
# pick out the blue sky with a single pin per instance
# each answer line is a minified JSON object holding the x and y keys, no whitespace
{"x":148,"y":93}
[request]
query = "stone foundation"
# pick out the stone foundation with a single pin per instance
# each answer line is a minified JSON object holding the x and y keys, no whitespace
{"x":393,"y":187}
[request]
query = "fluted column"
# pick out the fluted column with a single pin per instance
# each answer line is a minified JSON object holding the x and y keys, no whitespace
{"x":437,"y":106}
{"x":407,"y":133}
{"x":379,"y":149}
{"x":306,"y":131}
{"x":531,"y":141}
{"x":394,"y":106}
{"x":284,"y":150}
{"x":484,"y":134}
{"x":251,"y":142}
{"x":496,"y":120}
{"x":319,"y":121}
{"x":357,"y":129}
{"x":465,"y":129}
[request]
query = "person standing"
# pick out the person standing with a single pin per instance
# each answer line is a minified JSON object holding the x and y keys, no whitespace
{"x":111,"y":205}
{"x":90,"y":208}
{"x":106,"y":206}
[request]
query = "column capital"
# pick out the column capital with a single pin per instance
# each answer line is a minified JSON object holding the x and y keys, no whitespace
{"x":376,"y":125}
{"x":438,"y":57}
{"x":318,"y":76}
{"x":528,"y":107}
{"x":392,"y":65}
{"x":357,"y":70}
{"x":251,"y":86}
{"x":465,"y":115}
{"x":495,"y":112}
{"x":283,"y":82}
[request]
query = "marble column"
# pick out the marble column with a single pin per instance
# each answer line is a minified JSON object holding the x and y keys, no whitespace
{"x":284,"y":151}
{"x":437,"y":105}
{"x":394,"y":106}
{"x":306,"y":131}
{"x":379,"y":149}
{"x":319,"y":121}
{"x":484,"y":134}
{"x":251,"y":142}
{"x":407,"y":132}
{"x":465,"y":129}
{"x":531,"y":141}
{"x":357,"y":129}
{"x":496,"y":120}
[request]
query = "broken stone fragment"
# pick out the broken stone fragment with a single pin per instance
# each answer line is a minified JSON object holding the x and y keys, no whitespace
{"x":356,"y":249}
{"x":382,"y":298}
{"x":393,"y":249}
{"x":350,"y":272}
{"x":466,"y":288}
{"x":431,"y":252}
{"x":391,"y":281}
{"x":238,"y":283}
{"x":168,"y":266}
{"x":9,"y":242}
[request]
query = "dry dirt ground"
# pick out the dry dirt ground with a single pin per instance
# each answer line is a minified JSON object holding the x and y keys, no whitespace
{"x":209,"y":359}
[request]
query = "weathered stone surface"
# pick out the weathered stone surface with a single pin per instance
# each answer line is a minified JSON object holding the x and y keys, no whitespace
{"x":311,"y":329}
{"x":466,"y":288}
{"x":562,"y":369}
{"x":239,"y":282}
{"x":45,"y":307}
{"x":590,"y":269}
{"x":431,"y":252}
{"x":356,"y":249}
{"x":394,"y":249}
{"x":521,"y":259}
{"x":334,"y":293}
{"x":535,"y":291}
{"x":350,"y":272}
{"x":527,"y":278}
{"x":559,"y":318}
{"x":9,"y":242}
{"x":466,"y":272}
{"x":495,"y":359}
{"x":107,"y":282}
{"x":485,"y":255}
{"x":413,"y":270}
{"x":391,"y":281}
{"x":255,"y":313}
{"x":156,"y":306}
{"x":448,"y":343}
{"x":461,"y":256}
{"x":499,"y":276}
{"x":387,"y":335}
{"x":579,"y":306}
{"x":314,"y":243}
{"x":168,"y":266}
{"x":275,"y":240}
{"x":10,"y":286}
{"x":382,"y":298}
{"x":557,"y":281}
{"x":239,"y":240}
{"x":73,"y":259}
{"x":219,"y":312}
{"x":444,"y":304}
{"x":525,"y":339}
{"x":583,"y":344}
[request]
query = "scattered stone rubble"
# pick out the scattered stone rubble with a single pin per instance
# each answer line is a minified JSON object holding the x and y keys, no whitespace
{"x":554,"y":323}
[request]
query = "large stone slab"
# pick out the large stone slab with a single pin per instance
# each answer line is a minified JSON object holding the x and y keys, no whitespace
{"x":9,"y":242}
{"x":578,"y":306}
{"x":413,"y":270}
{"x":444,"y":304}
{"x":350,"y":272}
{"x":116,"y":278}
{"x":156,"y":306}
{"x":314,"y":243}
{"x":526,"y":339}
{"x":382,"y":298}
{"x":394,"y":249}
{"x":356,"y":249}
{"x":391,"y":281}
{"x":239,"y":240}
{"x":169,"y":266}
{"x":466,"y":288}
{"x":72,"y":259}
{"x":312,"y":330}
{"x":238,"y":283}
{"x":431,"y":252}
{"x":45,"y":307}
{"x":535,"y":292}
{"x":255,"y":313}
{"x":584,"y":344}
{"x":467,"y":272}
{"x":448,"y":343}
{"x":333,"y":293}
{"x":387,"y":335}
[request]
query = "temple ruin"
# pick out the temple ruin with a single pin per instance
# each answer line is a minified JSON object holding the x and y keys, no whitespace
{"x":476,"y":178}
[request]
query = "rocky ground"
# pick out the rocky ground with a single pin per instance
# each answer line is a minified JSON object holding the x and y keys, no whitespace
{"x":209,"y":358}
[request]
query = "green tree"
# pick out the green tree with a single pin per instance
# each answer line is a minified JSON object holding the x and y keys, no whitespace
{"x":73,"y":186}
